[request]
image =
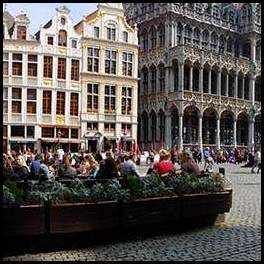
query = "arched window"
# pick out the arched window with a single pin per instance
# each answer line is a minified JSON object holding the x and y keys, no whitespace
{"x":187,"y":34}
{"x":144,"y":37}
{"x":62,"y":38}
{"x":196,"y":37}
{"x":145,"y":80}
{"x":153,"y":78}
{"x":205,"y":38}
{"x":222,"y":45}
{"x":162,"y":126}
{"x":161,"y":31}
{"x":111,"y":32}
{"x":179,"y":33}
{"x":153,"y":37}
{"x":214,"y":40}
{"x":162,"y":77}
{"x":230,"y":45}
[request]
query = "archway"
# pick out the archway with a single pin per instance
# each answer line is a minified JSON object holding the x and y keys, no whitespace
{"x":153,"y":127}
{"x":161,"y":118}
{"x":209,"y":126}
{"x":227,"y":127}
{"x":242,"y":129}
{"x":145,"y":127}
{"x":190,"y":125}
{"x":174,"y":125}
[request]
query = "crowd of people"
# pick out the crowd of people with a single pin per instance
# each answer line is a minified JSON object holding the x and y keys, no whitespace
{"x":51,"y":165}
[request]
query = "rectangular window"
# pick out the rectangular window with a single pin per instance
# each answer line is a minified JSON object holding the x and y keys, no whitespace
{"x":126,"y":129}
{"x":92,"y":97}
{"x":5,"y":63}
{"x":125,"y":36}
{"x":47,"y":132}
{"x":33,"y":65}
{"x":47,"y":67}
{"x":110,"y":99}
{"x":30,"y":132}
{"x":127,"y":64}
{"x":126,"y":100}
{"x":74,"y":104}
{"x":4,"y":131}
{"x":74,"y":43}
{"x":50,"y":40}
{"x":16,"y":100}
{"x":96,"y":32}
{"x":21,"y":32}
{"x":75,"y":70}
{"x":92,"y":126}
{"x":111,"y":33}
{"x":62,"y":68}
{"x":5,"y":100}
{"x":109,"y":127}
{"x":17,"y":64}
{"x":110,"y":62}
{"x":46,"y":107}
{"x":31,"y":101}
{"x":60,"y":103}
{"x":93,"y":60}
{"x":74,"y":133}
{"x":18,"y":131}
{"x":64,"y":132}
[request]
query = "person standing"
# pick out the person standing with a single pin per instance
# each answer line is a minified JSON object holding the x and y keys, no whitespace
{"x":257,"y":160}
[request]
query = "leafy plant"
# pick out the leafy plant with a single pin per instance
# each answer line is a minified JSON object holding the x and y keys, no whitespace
{"x":8,"y":197}
{"x":135,"y":186}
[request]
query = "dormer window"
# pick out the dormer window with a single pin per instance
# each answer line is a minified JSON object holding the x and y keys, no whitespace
{"x":74,"y":43}
{"x":50,"y":40}
{"x":125,"y":36}
{"x":111,"y":32}
{"x":62,"y":41}
{"x":63,"y":21}
{"x":21,"y":32}
{"x":96,"y":32}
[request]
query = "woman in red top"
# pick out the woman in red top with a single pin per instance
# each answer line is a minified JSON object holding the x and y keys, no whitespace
{"x":164,"y":165}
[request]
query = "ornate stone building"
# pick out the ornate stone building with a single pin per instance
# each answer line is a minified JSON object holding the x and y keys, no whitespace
{"x":70,"y":84}
{"x":200,"y":73}
{"x":109,"y":79}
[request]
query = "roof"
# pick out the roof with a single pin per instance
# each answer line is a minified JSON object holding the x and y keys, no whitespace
{"x":91,"y":16}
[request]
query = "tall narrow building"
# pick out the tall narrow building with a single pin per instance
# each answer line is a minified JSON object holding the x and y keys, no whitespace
{"x":200,"y":73}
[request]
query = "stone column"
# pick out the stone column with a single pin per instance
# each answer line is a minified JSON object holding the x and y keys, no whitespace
{"x":243,"y":86}
{"x":201,"y":79}
{"x":236,"y":84}
{"x":180,"y":131}
{"x":219,"y":83}
{"x":251,"y":134}
{"x":218,"y":132}
{"x":253,"y":49}
{"x":181,"y":77}
{"x":209,"y":80}
{"x":252,"y":81}
{"x":227,"y":86}
{"x":167,"y":130}
{"x":167,"y":80}
{"x":200,"y":133}
{"x":191,"y":78}
{"x":235,"y":132}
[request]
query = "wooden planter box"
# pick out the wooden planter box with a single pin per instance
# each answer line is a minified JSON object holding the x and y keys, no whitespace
{"x":82,"y":217}
{"x":203,"y":204}
{"x":150,"y":211}
{"x":24,"y":220}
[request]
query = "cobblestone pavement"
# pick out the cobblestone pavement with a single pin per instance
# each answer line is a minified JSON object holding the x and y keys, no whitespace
{"x":238,"y":238}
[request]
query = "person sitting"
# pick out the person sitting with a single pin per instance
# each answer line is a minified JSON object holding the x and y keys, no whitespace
{"x":164,"y":166}
{"x":35,"y":167}
{"x":69,"y":171}
{"x":188,"y":165}
{"x":108,"y":167}
{"x":129,"y":166}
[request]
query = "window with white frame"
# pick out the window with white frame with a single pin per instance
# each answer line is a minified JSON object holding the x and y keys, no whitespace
{"x":127,"y":63}
{"x":74,"y":43}
{"x":92,"y":97}
{"x":93,"y":60}
{"x":125,"y":36}
{"x":110,"y":98}
{"x":92,"y":126}
{"x":17,"y":64}
{"x":32,"y":65}
{"x":110,"y":61}
{"x":126,"y":129}
{"x":5,"y":63}
{"x":111,"y":32}
{"x":126,"y":100}
{"x":5,"y":99}
{"x":109,"y":127}
{"x":50,"y":40}
{"x":16,"y":100}
{"x":96,"y":32}
{"x":31,"y":101}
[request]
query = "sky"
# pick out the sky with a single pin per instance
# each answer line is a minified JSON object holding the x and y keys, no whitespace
{"x":41,"y":13}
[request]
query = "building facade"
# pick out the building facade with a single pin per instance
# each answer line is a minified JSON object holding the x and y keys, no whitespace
{"x":200,"y":73}
{"x":50,"y":81}
{"x":109,"y":79}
